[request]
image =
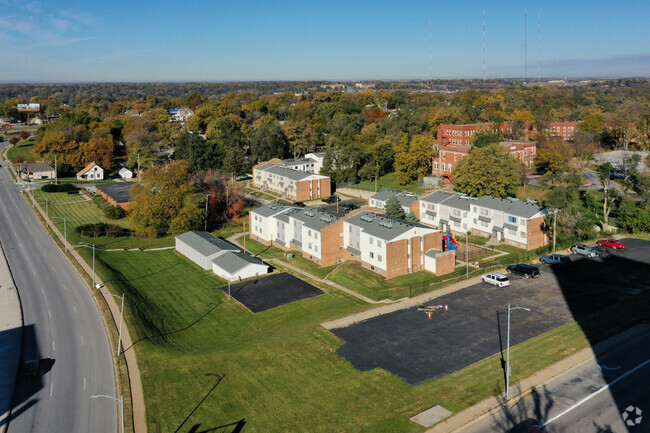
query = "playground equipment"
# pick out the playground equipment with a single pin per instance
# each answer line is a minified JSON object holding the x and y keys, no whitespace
{"x":450,"y":242}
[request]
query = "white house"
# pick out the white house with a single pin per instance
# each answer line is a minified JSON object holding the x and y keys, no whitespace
{"x":238,"y":265}
{"x":125,"y":173}
{"x":91,"y":172}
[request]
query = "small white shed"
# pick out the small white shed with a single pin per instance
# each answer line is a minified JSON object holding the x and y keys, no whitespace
{"x":202,"y":247}
{"x":125,"y":173}
{"x":238,"y":265}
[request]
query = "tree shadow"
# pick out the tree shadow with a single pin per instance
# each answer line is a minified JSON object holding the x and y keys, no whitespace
{"x":238,"y":426}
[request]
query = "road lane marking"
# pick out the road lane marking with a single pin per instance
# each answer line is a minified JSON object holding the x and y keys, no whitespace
{"x":621,"y":377}
{"x":64,"y":287}
{"x":84,"y":383}
{"x":53,"y":346}
{"x":75,"y":310}
{"x":51,"y":388}
{"x":49,"y":313}
{"x":82,"y":340}
{"x":54,"y":269}
{"x":42,"y":291}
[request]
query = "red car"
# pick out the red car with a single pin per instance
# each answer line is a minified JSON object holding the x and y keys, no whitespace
{"x":611,"y":243}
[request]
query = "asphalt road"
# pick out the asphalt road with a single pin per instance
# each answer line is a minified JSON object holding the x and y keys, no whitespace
{"x":589,"y":398}
{"x":73,"y":344}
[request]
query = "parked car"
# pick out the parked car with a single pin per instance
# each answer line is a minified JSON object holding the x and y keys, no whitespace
{"x":584,"y":250}
{"x":528,"y":426}
{"x":331,"y":199}
{"x":524,"y":269}
{"x":299,"y":204}
{"x":611,"y":243}
{"x":555,"y":259}
{"x":496,"y":279}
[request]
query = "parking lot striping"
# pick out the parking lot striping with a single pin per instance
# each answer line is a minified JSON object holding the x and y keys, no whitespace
{"x":621,"y":377}
{"x":75,"y":310}
{"x":51,"y":388}
{"x":64,"y":287}
{"x":82,"y":340}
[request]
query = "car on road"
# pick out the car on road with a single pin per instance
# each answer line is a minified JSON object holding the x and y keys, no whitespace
{"x":331,"y":199}
{"x":496,"y":279}
{"x":523,"y":269}
{"x":299,"y":204}
{"x":611,"y":243}
{"x":528,"y":426}
{"x":584,"y":250}
{"x":555,"y":259}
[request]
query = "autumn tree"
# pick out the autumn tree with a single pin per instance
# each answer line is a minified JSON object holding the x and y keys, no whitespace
{"x":267,"y":142}
{"x":224,"y":199}
{"x":99,"y":148}
{"x":413,"y":158}
{"x":553,"y":155}
{"x":489,"y":170}
{"x":24,"y":135}
{"x":162,"y":201}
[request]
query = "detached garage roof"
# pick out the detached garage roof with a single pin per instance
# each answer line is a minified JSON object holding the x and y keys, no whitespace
{"x":205,"y":243}
{"x":234,"y":261}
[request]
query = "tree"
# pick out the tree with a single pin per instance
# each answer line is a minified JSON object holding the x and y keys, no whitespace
{"x":24,"y":135}
{"x":393,"y":208}
{"x":233,"y":162}
{"x":224,"y":199}
{"x":482,"y":140}
{"x":604,"y":173}
{"x":411,"y":217}
{"x":190,"y":217}
{"x":142,"y":145}
{"x":267,"y":142}
{"x":301,"y":137}
{"x":100,"y":147}
{"x":490,"y":170}
{"x":576,"y":220}
{"x":420,"y":151}
{"x":14,"y":140}
{"x":159,"y":197}
{"x":553,"y":155}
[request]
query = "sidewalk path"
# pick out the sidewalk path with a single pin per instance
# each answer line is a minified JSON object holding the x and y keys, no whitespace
{"x":137,"y":395}
{"x":11,"y":323}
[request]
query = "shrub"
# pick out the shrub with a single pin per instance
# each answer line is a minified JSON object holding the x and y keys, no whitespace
{"x":18,"y":160}
{"x":114,"y":212}
{"x":101,"y":229}
{"x":65,"y":187}
{"x":14,"y":140}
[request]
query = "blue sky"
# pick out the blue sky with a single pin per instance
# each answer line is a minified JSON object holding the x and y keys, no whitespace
{"x":144,"y":40}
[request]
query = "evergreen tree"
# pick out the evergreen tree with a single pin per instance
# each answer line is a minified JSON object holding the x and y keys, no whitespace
{"x":393,"y":208}
{"x":411,"y":218}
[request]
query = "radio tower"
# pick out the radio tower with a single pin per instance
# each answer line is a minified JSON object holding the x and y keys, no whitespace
{"x":484,"y":45}
{"x":539,"y":47}
{"x":525,"y":45}
{"x":430,"y":59}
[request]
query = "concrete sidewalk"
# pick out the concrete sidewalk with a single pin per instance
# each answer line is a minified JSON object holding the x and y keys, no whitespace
{"x":520,"y":390}
{"x":11,"y":323}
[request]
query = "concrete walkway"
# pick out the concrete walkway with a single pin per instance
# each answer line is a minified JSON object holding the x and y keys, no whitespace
{"x":137,"y":395}
{"x":485,"y":408}
{"x":11,"y":323}
{"x":399,"y":305}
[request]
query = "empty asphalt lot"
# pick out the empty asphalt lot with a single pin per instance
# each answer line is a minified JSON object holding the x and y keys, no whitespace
{"x":418,"y":349}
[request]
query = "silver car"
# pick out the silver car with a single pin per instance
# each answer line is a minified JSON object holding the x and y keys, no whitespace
{"x":584,"y":250}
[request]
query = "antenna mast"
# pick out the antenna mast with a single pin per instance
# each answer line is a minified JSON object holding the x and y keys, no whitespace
{"x":525,"y":45}
{"x":430,"y":58}
{"x":539,"y":47}
{"x":484,"y":45}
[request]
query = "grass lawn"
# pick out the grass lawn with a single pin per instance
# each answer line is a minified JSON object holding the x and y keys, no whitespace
{"x":388,"y":181}
{"x":260,"y":250}
{"x":264,"y":195}
{"x":307,"y":265}
{"x":23,"y":149}
{"x":476,"y":239}
{"x":279,"y":367}
{"x":353,"y":276}
{"x":531,"y":192}
{"x":78,"y":210}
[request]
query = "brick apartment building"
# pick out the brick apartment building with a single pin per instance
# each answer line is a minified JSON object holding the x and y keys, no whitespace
{"x":462,"y":135}
{"x":292,"y":184}
{"x":565,"y":130}
{"x":449,"y":155}
{"x":382,"y":244}
{"x":511,"y":221}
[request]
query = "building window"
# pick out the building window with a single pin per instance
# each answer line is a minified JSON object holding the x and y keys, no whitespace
{"x":316,"y":248}
{"x":308,"y":232}
{"x":474,"y":209}
{"x":371,"y":240}
{"x":444,"y":166}
{"x":512,"y":219}
{"x":435,"y":165}
{"x":522,"y":222}
{"x":484,"y":212}
{"x":372,"y":255}
{"x":309,"y":244}
{"x":378,"y":243}
{"x":522,"y":235}
{"x":450,"y":167}
{"x":379,"y":257}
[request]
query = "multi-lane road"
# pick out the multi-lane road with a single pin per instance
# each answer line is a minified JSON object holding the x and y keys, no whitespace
{"x":73,"y":344}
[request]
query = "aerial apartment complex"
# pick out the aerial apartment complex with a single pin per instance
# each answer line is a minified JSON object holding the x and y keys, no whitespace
{"x":385,"y":245}
{"x":291,"y":183}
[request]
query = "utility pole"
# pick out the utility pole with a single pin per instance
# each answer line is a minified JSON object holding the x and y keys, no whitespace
{"x":554,"y":226}
{"x":205,"y":222}
{"x":56,"y":176}
{"x":508,"y":350}
{"x":244,"y":236}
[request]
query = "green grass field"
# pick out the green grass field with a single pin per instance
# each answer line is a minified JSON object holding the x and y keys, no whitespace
{"x":388,"y":181}
{"x":280,"y":368}
{"x":23,"y":149}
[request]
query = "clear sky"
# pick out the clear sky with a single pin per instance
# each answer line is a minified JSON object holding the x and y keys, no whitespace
{"x":218,"y":40}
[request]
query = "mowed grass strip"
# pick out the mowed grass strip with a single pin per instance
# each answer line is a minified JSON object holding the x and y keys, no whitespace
{"x":23,"y":149}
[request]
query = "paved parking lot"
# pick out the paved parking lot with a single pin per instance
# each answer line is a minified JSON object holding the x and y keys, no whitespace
{"x":272,"y":291}
{"x":418,"y":349}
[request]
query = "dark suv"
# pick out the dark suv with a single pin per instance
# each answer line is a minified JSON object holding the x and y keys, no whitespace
{"x":523,"y":269}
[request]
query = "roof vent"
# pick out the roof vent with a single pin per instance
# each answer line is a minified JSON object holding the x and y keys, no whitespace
{"x":386,"y":224}
{"x":273,"y":206}
{"x":309,"y":213}
{"x":367,"y":218}
{"x":326,"y":219}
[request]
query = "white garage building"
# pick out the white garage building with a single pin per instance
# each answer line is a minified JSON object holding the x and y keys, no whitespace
{"x":223,"y":258}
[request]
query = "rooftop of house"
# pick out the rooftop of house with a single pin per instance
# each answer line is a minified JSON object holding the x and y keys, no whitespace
{"x":234,"y":261}
{"x":35,"y":167}
{"x":296,"y":161}
{"x":314,"y":218}
{"x":118,"y":191}
{"x":382,"y":226}
{"x":205,"y":243}
{"x":405,"y":198}
{"x":87,"y":168}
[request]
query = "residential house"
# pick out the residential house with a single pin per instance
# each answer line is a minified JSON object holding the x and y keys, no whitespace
{"x":37,"y":170}
{"x":290,"y":183}
{"x":406,"y":199}
{"x":125,"y":173}
{"x":91,"y":172}
{"x":118,"y":194}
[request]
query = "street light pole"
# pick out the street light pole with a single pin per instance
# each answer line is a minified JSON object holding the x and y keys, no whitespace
{"x":554,"y":226}
{"x":65,"y":232}
{"x":508,"y":350}
{"x":119,"y":400}
{"x":205,"y":221}
{"x":93,"y":245}
{"x":119,"y":339}
{"x":47,"y":210}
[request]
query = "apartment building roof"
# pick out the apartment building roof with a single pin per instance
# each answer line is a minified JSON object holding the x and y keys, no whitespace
{"x":405,"y":198}
{"x":436,"y":197}
{"x":287,"y":172}
{"x":272,"y":209}
{"x":381,"y":226}
{"x":303,"y":160}
{"x":511,"y":206}
{"x":314,"y":218}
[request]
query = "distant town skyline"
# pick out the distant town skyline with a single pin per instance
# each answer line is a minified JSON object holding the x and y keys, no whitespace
{"x":121,"y":41}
